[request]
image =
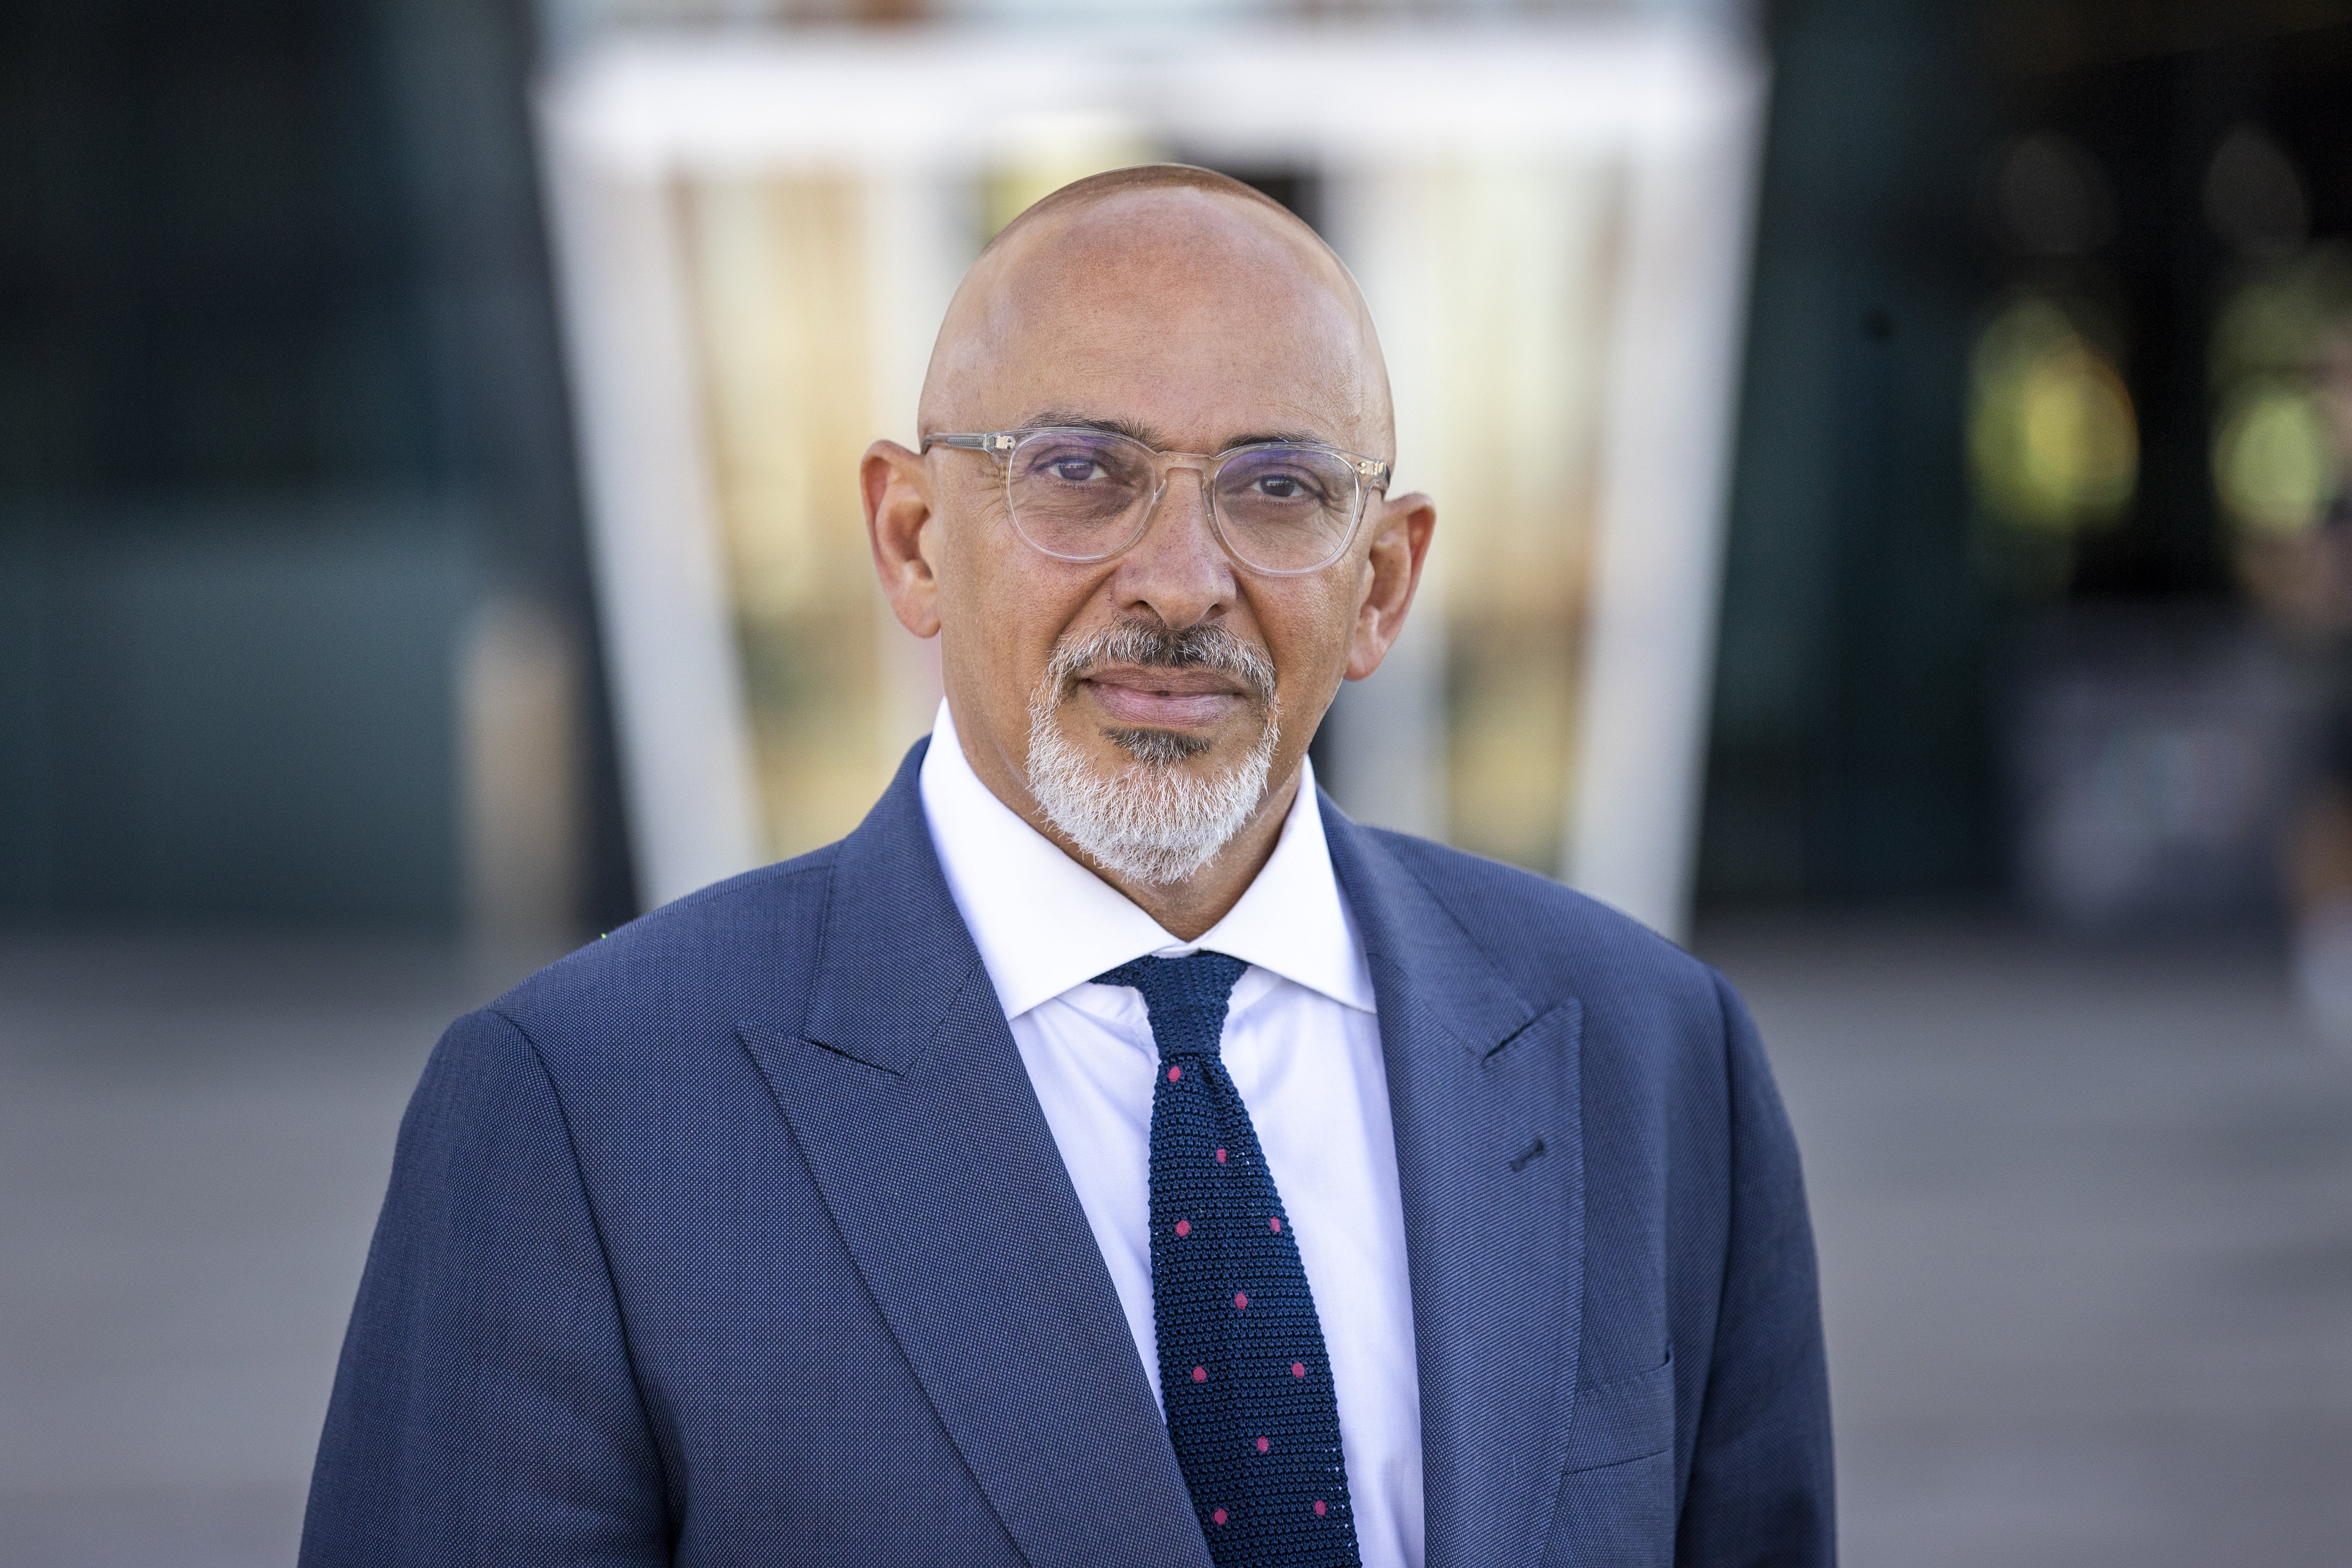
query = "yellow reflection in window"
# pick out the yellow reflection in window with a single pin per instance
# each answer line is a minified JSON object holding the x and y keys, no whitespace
{"x":2277,"y":458}
{"x":2051,"y":435}
{"x":777,"y":269}
{"x":2274,"y":459}
{"x":1517,"y":285}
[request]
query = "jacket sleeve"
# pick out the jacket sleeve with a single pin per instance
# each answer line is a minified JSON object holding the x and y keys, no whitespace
{"x":484,"y":1409}
{"x":1761,"y":1487}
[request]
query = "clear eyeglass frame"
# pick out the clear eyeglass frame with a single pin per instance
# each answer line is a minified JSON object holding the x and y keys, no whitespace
{"x":1370,"y":475}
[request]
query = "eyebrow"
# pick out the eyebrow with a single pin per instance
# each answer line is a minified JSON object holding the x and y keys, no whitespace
{"x":1135,"y":430}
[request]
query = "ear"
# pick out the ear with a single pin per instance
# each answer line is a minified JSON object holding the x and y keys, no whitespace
{"x":894,"y":484}
{"x":1400,"y":548}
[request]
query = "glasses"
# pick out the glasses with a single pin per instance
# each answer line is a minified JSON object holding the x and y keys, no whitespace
{"x":1280,"y":507}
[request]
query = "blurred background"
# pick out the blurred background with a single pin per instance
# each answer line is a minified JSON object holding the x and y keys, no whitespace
{"x":1920,"y":437}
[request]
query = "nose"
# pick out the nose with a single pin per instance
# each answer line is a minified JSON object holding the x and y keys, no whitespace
{"x":1177,"y":572}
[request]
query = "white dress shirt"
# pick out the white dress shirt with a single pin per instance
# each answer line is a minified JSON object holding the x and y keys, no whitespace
{"x":1303,"y":1045}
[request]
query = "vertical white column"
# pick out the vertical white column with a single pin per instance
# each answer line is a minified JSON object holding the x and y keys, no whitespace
{"x":685,"y":744}
{"x":1673,"y":386}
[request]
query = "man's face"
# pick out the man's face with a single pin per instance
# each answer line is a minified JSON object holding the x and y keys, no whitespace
{"x":1218,"y":338}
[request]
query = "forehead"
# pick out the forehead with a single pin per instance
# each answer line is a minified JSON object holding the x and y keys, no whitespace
{"x":1194,"y":315}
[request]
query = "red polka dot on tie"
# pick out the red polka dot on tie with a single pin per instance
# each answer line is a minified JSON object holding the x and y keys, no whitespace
{"x":1199,"y":1374}
{"x":1319,"y":1510}
{"x":1298,"y":1369}
{"x":1218,"y":1517}
{"x":1221,"y":1156}
{"x":1184,"y":1228}
{"x":1274,"y":1221}
{"x":1263,"y":1444}
{"x":1240,"y":1300}
{"x":1175,"y":1073}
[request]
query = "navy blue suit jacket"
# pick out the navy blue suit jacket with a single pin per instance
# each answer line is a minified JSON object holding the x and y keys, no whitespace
{"x":739,"y":1237}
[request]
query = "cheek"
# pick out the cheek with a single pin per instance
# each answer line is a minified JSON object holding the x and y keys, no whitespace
{"x":978,"y":591}
{"x":1003,"y":605}
{"x":1309,"y":626}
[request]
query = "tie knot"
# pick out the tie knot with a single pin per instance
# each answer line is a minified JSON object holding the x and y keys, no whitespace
{"x":1186,"y":998}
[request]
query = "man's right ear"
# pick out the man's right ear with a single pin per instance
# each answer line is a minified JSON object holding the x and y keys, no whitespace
{"x":896,"y":486}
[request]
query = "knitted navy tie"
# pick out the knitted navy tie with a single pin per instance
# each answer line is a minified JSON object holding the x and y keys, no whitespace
{"x":1242,"y":1370}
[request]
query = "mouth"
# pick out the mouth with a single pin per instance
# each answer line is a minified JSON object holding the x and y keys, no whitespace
{"x":1139,"y":697}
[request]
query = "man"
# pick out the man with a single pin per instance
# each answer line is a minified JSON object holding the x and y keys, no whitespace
{"x":1108,"y":1153}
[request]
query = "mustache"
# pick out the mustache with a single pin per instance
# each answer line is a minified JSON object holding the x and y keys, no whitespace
{"x":1152,"y":646}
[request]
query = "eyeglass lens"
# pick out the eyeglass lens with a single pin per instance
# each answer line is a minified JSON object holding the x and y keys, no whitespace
{"x":1084,"y":495}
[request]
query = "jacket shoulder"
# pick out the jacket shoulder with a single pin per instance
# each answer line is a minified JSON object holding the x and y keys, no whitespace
{"x":1544,"y":934}
{"x":731,"y":950}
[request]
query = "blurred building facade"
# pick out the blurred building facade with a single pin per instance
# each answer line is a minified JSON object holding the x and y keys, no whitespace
{"x":289,"y":511}
{"x":1995,"y":462}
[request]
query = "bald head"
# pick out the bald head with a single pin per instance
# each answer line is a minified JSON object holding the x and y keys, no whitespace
{"x":1171,"y":277}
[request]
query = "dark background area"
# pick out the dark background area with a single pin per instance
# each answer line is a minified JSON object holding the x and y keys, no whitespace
{"x":281,"y":402}
{"x":1859,"y":705}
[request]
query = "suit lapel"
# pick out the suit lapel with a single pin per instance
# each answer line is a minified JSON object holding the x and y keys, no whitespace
{"x":1483,"y":1091}
{"x":910,"y":1102}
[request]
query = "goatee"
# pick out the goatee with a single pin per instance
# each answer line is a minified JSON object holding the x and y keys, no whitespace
{"x":1151,"y":821}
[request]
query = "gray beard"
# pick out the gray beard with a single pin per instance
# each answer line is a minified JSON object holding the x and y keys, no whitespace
{"x":1146,"y":820}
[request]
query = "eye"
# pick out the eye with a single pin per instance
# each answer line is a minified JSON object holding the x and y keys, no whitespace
{"x":1073,"y":463}
{"x":1285,"y":486}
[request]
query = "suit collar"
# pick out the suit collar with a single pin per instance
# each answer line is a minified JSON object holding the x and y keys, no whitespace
{"x":1483,"y":1089}
{"x":895,"y":955}
{"x":1428,"y":955}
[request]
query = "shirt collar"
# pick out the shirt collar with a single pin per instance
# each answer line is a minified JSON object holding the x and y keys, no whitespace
{"x":1044,"y":923}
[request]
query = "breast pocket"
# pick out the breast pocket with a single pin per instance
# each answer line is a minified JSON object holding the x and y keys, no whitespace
{"x":1627,"y":1417}
{"x":1616,"y":1507}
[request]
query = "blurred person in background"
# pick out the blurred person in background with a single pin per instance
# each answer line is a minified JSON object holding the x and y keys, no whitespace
{"x":1108,"y":1153}
{"x":2305,"y":582}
